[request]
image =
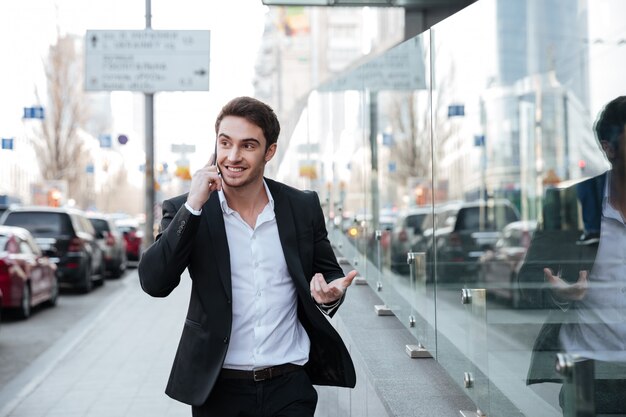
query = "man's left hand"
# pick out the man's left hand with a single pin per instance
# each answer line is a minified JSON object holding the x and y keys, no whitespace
{"x":328,"y":293}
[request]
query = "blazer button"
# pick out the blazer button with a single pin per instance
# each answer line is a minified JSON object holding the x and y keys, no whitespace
{"x":226,"y":339}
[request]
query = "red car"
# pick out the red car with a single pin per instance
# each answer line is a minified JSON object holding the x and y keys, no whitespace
{"x":132,"y":238}
{"x":27,"y":277}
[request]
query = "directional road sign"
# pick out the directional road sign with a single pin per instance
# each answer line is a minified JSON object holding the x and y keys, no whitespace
{"x":147,"y":60}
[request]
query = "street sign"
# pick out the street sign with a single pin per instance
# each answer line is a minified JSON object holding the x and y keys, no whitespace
{"x":35,"y":112}
{"x":7,"y":143}
{"x":122,"y":139}
{"x":105,"y":141}
{"x":456,"y":110}
{"x":183,"y":148}
{"x":147,"y":60}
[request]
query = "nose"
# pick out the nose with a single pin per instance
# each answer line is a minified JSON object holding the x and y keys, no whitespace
{"x":233,"y":154}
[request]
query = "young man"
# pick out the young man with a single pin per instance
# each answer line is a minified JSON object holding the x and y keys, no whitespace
{"x":263,"y":277}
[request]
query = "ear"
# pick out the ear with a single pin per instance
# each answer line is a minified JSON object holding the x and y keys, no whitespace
{"x":608,"y":149}
{"x":270,"y":152}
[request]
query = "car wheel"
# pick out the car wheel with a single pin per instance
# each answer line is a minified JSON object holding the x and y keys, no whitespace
{"x":87,"y":284}
{"x":54,"y":295}
{"x":25,"y":308}
{"x":516,"y":296}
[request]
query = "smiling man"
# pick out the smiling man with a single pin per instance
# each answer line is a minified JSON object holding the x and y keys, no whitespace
{"x":263,"y":275}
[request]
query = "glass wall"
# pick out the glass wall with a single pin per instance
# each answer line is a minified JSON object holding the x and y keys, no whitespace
{"x":461,"y":175}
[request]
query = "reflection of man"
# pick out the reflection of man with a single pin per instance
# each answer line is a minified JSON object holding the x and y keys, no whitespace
{"x":263,"y":273}
{"x":587,"y":281}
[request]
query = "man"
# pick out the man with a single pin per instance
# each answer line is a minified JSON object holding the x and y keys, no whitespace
{"x":263,"y":277}
{"x":586,"y":280}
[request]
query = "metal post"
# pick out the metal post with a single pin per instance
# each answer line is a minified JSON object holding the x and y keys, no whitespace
{"x":578,"y":385}
{"x":373,"y":106}
{"x":149,"y":167}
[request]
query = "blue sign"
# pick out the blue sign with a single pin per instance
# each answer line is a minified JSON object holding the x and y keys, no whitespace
{"x":387,"y":139}
{"x":89,"y":169}
{"x":7,"y":143}
{"x":35,"y":112}
{"x":392,"y":167}
{"x":122,"y":139}
{"x":105,"y":141}
{"x":479,"y":140}
{"x":456,"y":110}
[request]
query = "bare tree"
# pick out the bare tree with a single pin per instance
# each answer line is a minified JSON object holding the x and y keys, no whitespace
{"x":60,"y":149}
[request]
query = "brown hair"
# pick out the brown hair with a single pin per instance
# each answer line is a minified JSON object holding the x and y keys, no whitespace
{"x":255,"y":112}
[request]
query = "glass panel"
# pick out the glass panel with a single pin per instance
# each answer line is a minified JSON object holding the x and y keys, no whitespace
{"x":472,"y":146}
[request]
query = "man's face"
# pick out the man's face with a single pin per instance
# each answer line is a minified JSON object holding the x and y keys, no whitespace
{"x":241,"y":154}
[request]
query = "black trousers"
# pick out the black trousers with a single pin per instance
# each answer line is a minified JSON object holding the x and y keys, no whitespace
{"x":290,"y":395}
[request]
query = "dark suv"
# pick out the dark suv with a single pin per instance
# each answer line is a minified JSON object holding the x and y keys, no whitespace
{"x":469,"y":230}
{"x":111,"y":242}
{"x":67,"y":237}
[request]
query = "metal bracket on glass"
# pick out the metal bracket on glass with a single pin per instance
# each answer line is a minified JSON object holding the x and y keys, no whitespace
{"x":417,"y":265}
{"x":355,"y":261}
{"x":417,"y":351}
{"x":342,"y":260}
{"x":477,"y":413}
{"x":379,"y":286}
{"x":466,"y":296}
{"x":578,"y":385}
{"x":383,"y":310}
{"x":359,"y":280}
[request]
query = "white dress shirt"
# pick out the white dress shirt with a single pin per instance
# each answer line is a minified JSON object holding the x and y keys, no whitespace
{"x":598,"y":330}
{"x":265,"y":329}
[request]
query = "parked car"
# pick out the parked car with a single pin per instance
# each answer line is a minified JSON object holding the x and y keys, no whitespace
{"x":133,"y":237}
{"x":469,"y":230}
{"x":112,"y":244}
{"x":27,"y":277}
{"x":404,"y":235}
{"x":499,"y":266}
{"x":68,"y":238}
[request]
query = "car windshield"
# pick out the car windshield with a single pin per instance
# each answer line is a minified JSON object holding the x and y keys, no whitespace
{"x":485,"y":218}
{"x":100,"y":225}
{"x":415,"y":221}
{"x":41,"y":224}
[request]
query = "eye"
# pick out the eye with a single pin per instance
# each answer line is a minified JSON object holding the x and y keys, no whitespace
{"x":248,"y":146}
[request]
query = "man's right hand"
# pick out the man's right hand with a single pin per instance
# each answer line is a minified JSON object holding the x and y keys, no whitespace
{"x":203,"y":182}
{"x":565,"y":291}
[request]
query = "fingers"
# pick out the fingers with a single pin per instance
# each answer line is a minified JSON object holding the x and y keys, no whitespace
{"x":326,"y":293}
{"x":349,"y":278}
{"x":212,"y":159}
{"x":582,"y":277}
{"x":203,"y":182}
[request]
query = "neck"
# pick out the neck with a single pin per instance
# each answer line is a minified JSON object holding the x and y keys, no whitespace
{"x":246,"y":199}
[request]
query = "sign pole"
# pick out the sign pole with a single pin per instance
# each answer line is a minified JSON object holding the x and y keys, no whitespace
{"x":149,"y":171}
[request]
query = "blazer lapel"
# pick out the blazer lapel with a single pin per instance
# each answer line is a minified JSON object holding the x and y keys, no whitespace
{"x":287,"y":234}
{"x":214,"y":219}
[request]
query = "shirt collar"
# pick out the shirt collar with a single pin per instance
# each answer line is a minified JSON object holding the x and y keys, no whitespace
{"x":228,"y":210}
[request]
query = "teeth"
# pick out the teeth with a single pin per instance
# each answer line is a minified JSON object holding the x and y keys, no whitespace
{"x":235,"y":169}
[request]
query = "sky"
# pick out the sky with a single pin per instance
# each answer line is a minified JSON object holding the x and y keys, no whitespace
{"x":28,"y":27}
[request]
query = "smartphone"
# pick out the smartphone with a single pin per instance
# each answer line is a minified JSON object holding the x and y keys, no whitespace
{"x":213,"y":160}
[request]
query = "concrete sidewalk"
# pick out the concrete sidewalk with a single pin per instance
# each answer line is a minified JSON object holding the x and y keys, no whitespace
{"x":114,"y":364}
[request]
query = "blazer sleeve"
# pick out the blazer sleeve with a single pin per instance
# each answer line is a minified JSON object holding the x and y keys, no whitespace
{"x":162,"y":264}
{"x":324,"y":259}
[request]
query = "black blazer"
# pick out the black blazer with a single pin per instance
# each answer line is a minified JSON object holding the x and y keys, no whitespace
{"x":199,"y":243}
{"x":554,"y":245}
